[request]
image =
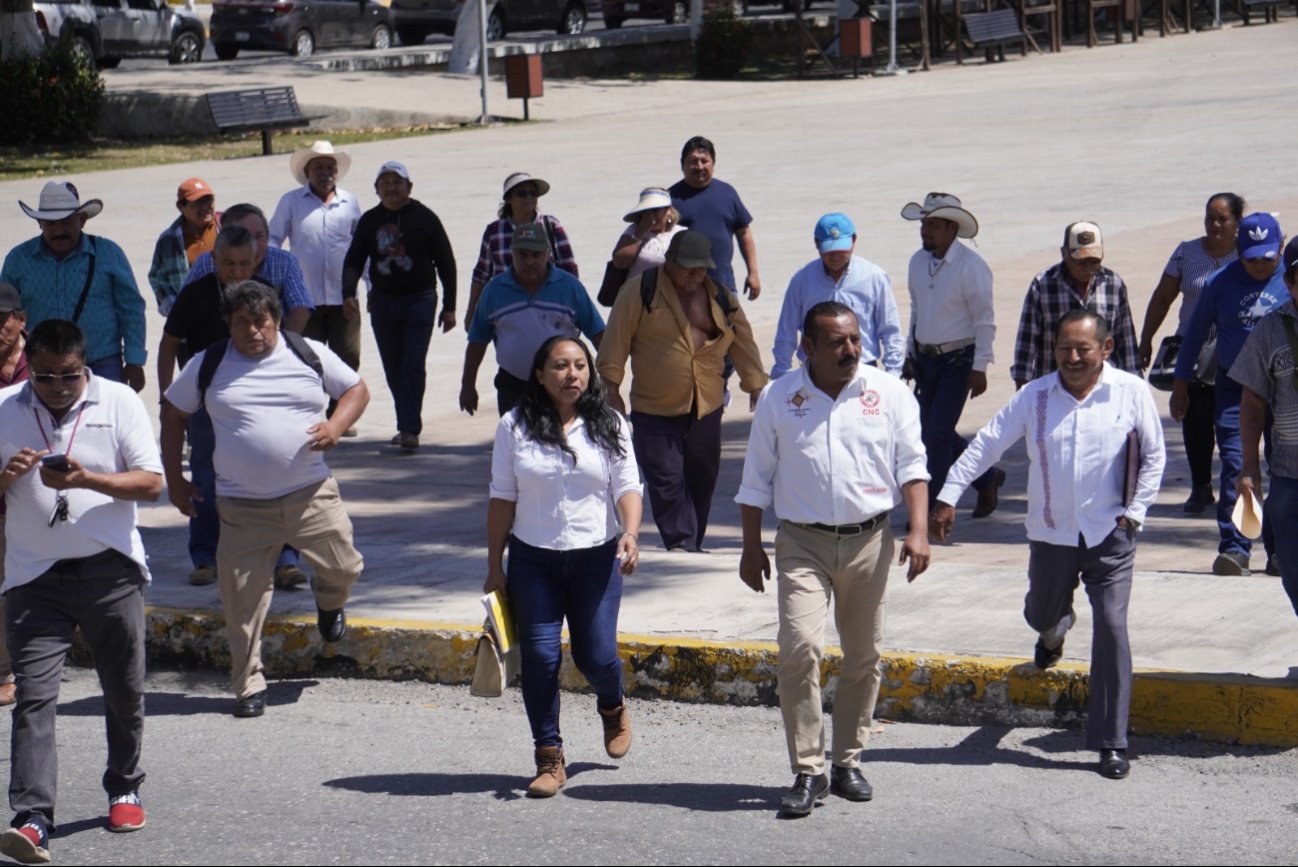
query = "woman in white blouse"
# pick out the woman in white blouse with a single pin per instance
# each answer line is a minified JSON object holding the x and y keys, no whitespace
{"x":562,"y":472}
{"x":644,"y":243}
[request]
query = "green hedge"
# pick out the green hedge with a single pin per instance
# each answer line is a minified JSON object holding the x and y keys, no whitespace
{"x":51,"y":97}
{"x":723,"y":45}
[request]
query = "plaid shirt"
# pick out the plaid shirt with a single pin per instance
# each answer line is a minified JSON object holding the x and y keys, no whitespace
{"x":1051,"y":296}
{"x":494,"y":258}
{"x":279,"y":270}
{"x":170,"y":265}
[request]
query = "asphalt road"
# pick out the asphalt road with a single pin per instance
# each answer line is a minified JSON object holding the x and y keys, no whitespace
{"x":365,"y":772}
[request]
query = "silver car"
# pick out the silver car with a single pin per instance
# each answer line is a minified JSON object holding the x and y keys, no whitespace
{"x":105,"y":31}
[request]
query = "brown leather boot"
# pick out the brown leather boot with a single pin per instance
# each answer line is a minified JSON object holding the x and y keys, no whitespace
{"x":550,"y":773}
{"x":617,"y":730}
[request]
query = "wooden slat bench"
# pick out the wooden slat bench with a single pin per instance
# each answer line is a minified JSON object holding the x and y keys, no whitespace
{"x":992,"y":31}
{"x":265,"y":109}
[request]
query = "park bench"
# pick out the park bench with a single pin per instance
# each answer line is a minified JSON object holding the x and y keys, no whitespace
{"x":992,"y":31}
{"x":264,"y":109}
{"x":1270,"y":10}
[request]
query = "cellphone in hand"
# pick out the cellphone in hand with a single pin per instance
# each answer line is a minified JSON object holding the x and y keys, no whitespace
{"x":57,"y":463}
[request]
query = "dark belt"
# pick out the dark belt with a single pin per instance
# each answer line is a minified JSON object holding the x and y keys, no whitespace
{"x":846,"y":529}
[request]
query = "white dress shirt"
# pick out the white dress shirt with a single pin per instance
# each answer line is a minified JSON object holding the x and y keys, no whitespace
{"x":1077,"y":453}
{"x":108,"y":431}
{"x":863,"y":287}
{"x":319,"y":235}
{"x":822,"y":460}
{"x":951,"y":300}
{"x":562,"y":504}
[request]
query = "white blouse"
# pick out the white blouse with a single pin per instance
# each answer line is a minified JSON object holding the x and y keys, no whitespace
{"x":562,"y":504}
{"x":653,"y":252}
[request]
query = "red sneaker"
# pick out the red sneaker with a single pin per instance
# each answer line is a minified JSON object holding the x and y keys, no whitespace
{"x":28,"y":844}
{"x":125,"y":813}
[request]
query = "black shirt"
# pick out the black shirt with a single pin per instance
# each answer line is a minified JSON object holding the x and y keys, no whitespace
{"x":404,"y":249}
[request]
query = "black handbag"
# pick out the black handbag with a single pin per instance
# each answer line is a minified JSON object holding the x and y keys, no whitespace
{"x":614,"y":278}
{"x":1163,"y":369}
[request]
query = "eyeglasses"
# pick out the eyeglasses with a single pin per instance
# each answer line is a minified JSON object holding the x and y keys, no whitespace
{"x":60,"y":512}
{"x":65,"y":378}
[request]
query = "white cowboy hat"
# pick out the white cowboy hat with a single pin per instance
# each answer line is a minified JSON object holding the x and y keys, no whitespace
{"x":651,"y":199}
{"x":1247,"y":516}
{"x":944,"y":206}
{"x":302,"y":156}
{"x":521,"y":178}
{"x":59,"y":200}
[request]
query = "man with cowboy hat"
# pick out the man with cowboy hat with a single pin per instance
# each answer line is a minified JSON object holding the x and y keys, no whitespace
{"x":190,"y":235}
{"x":65,"y":273}
{"x":840,"y":275}
{"x":952,"y":329}
{"x":317,"y":221}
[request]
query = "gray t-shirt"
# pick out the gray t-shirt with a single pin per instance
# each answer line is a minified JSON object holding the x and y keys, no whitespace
{"x":1265,"y":366}
{"x":261,"y":409}
{"x":1191,"y":265}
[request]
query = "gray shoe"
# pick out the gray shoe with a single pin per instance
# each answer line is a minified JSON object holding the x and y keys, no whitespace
{"x":1231,"y":563}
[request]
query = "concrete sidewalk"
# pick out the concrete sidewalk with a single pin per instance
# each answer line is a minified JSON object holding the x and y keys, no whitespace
{"x":1135,"y":137}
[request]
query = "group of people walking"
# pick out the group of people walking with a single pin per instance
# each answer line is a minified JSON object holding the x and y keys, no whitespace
{"x":263,"y":321}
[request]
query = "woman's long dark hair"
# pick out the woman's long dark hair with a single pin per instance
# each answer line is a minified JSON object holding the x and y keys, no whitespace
{"x":541,"y":420}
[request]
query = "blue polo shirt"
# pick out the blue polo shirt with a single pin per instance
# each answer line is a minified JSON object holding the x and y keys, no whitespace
{"x":518,"y":322}
{"x":113,"y":317}
{"x":1233,"y":302}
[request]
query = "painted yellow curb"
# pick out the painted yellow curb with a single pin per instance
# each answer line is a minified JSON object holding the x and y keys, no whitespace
{"x":939,"y":688}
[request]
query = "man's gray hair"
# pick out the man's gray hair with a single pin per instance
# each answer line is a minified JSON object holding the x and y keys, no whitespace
{"x":234,"y":236}
{"x":257,"y":298}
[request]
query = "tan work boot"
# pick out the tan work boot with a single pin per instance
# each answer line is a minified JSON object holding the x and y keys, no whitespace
{"x":617,"y":730}
{"x":550,"y":773}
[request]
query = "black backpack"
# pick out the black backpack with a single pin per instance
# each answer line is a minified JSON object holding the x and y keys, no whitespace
{"x":216,"y":352}
{"x":649,"y":283}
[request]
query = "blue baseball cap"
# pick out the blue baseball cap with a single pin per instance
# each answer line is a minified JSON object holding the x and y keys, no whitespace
{"x":835,"y":232}
{"x":1259,"y":236}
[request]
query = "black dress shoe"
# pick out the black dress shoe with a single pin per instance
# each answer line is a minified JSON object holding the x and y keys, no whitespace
{"x":990,"y":497}
{"x":332,"y":624}
{"x":253,"y":705}
{"x":1044,"y":657}
{"x":1200,"y":499}
{"x":1114,"y":764}
{"x":850,"y":783}
{"x":806,"y":791}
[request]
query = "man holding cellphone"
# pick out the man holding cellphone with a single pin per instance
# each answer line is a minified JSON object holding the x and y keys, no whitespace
{"x":77,"y":452}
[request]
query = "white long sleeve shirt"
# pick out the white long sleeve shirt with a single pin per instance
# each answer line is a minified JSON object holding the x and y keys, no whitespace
{"x":1077,"y":453}
{"x":951,"y":300}
{"x":319,"y":235}
{"x":824,"y":460}
{"x":561,"y":504}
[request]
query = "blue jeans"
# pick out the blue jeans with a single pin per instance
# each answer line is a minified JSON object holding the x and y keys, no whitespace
{"x":1230,"y":448}
{"x":205,"y":527}
{"x":1281,"y":515}
{"x":545,"y":586}
{"x":107,"y":368}
{"x":403,"y":326}
{"x":941,"y":387}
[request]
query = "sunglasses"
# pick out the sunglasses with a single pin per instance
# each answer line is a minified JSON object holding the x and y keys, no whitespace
{"x":526,"y":193}
{"x":65,"y":378}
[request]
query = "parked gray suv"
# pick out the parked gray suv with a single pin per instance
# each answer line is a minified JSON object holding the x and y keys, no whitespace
{"x":105,"y":31}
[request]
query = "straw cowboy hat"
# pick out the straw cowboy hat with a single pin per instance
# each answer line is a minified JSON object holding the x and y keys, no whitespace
{"x":302,"y":156}
{"x":59,"y":200}
{"x":944,"y":206}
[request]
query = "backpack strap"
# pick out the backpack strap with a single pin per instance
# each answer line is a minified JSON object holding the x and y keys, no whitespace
{"x":212,"y":357}
{"x":648,"y":284}
{"x":216,"y":353}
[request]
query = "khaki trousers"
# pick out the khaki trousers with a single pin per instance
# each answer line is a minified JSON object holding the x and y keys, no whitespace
{"x":313,"y":521}
{"x":813,"y":568}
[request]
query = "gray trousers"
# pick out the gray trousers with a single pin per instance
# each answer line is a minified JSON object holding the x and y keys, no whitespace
{"x":104,"y":596}
{"x":1053,"y":572}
